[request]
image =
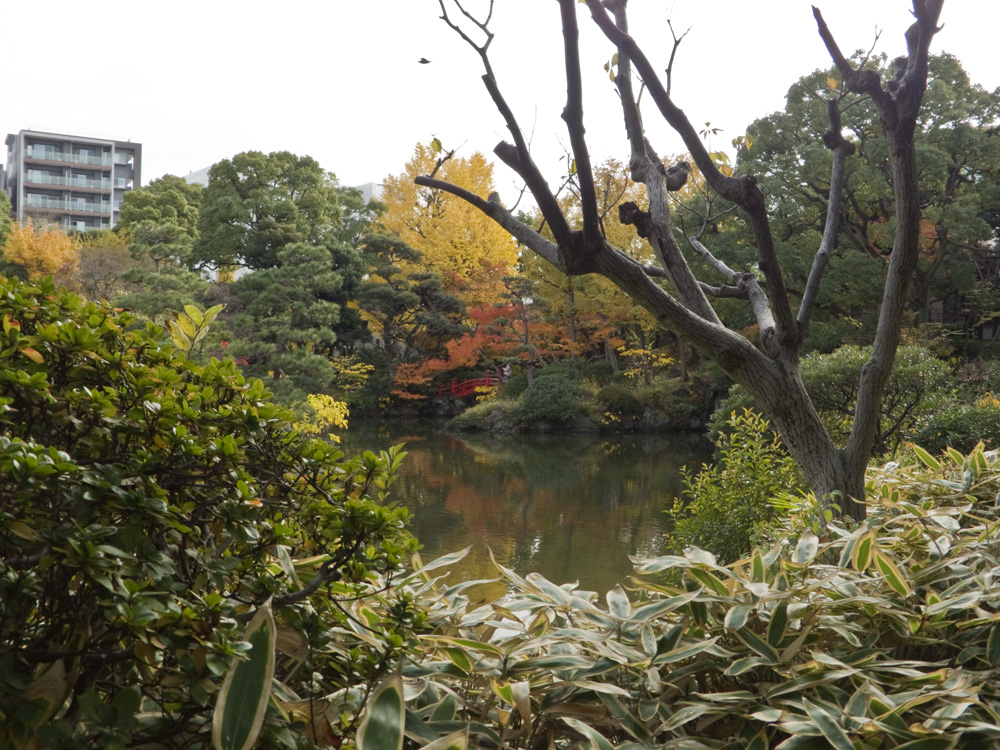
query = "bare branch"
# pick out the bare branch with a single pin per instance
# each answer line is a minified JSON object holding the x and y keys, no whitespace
{"x":673,"y":53}
{"x":729,"y":274}
{"x":740,"y":190}
{"x":522,"y":233}
{"x":841,"y":148}
{"x":573,"y":116}
{"x":516,"y":156}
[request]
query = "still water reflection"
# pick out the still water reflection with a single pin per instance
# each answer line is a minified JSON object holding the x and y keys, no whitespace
{"x":571,"y":507}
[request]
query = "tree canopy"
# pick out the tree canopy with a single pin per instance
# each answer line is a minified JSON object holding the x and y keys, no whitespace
{"x":257,"y":203}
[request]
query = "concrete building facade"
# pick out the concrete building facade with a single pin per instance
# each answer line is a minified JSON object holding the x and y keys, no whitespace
{"x":74,"y":182}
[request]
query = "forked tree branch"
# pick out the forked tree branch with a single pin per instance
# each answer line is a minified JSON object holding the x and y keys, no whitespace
{"x":740,"y":190}
{"x":647,"y":168}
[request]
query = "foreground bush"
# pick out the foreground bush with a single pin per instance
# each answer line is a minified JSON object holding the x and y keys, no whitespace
{"x":728,"y":506}
{"x":151,"y":508}
{"x":886,"y":635}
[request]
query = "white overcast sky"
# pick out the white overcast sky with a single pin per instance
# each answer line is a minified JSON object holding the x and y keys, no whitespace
{"x":339,"y":80}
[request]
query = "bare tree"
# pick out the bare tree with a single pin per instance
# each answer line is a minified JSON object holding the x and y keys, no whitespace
{"x":768,"y":370}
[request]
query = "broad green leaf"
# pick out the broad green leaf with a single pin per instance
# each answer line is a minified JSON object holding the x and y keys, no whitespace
{"x":626,"y":720}
{"x":709,"y":581}
{"x":926,"y":458}
{"x":757,"y":644}
{"x":460,"y":659}
{"x":186,"y":324}
{"x":618,"y":603}
{"x":455,"y":741}
{"x":745,"y":664}
{"x":993,"y":646}
{"x":688,"y":713}
{"x":736,"y":617}
{"x":684,"y":652}
{"x":757,"y":568}
{"x":195,"y":314}
{"x":21,"y":529}
{"x":246,"y":689}
{"x":382,"y":725}
{"x":957,"y":457}
{"x":595,"y":740}
{"x":806,"y":549}
{"x":211,"y":313}
{"x":955,"y":603}
{"x":779,"y":623}
{"x":828,"y":725}
{"x":863,"y":552}
{"x":893,"y":575}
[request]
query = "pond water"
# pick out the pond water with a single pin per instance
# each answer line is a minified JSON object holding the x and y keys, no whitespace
{"x":570,"y":507}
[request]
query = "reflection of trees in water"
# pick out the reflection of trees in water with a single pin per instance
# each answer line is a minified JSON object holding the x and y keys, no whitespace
{"x":567,"y":506}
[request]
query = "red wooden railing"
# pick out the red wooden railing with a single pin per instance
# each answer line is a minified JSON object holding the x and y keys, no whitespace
{"x":467,"y":387}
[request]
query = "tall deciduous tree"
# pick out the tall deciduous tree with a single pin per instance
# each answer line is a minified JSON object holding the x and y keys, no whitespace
{"x":470,"y":253}
{"x":769,"y":369}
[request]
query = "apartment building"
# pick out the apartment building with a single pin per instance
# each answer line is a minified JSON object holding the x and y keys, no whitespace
{"x":74,"y":182}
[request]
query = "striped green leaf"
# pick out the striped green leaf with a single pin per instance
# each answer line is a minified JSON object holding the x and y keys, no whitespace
{"x":383,"y":722}
{"x":828,"y":725}
{"x":893,"y":576}
{"x":246,"y":689}
{"x":595,"y":740}
{"x":455,"y":741}
{"x":926,"y":458}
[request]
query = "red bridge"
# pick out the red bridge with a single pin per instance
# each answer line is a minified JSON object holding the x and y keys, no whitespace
{"x":468,"y":387}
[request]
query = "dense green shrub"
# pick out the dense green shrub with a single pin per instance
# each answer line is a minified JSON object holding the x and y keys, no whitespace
{"x":149,"y":506}
{"x":620,"y":400}
{"x":960,"y":427}
{"x":727,"y":506}
{"x":494,"y":414}
{"x":918,"y":385}
{"x":879,"y":636}
{"x":516,"y":385}
{"x":600,"y":372}
{"x":554,"y":398}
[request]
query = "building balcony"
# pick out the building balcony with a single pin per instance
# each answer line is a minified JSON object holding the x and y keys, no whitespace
{"x":34,"y":153}
{"x":38,"y":203}
{"x":35,"y":178}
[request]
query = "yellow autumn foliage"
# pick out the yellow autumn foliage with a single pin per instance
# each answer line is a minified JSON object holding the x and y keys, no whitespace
{"x":325,"y":413}
{"x":42,"y":252}
{"x":467,"y":249}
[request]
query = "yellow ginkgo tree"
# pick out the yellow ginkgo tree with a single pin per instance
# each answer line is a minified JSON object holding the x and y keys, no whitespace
{"x":467,"y":249}
{"x":42,"y":252}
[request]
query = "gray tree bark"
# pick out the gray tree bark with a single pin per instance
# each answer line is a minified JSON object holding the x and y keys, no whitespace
{"x":769,"y":371}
